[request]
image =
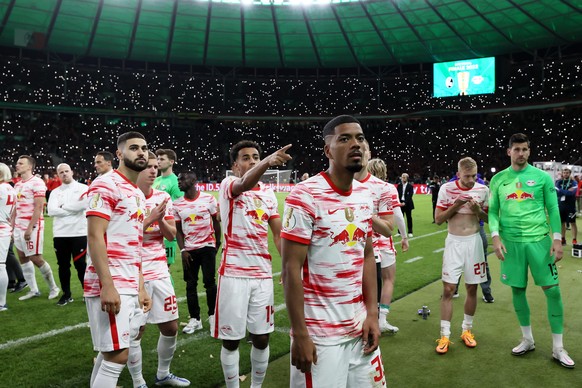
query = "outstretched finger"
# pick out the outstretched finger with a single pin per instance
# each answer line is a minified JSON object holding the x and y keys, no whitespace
{"x":284,"y":149}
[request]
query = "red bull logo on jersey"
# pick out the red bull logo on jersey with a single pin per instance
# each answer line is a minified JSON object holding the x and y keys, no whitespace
{"x":192,"y":219}
{"x":139,"y":215}
{"x":19,"y":196}
{"x":258,"y":215}
{"x":519,"y":196}
{"x":350,"y":236}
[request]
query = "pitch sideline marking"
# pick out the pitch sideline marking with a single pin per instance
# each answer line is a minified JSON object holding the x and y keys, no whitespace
{"x":51,"y":333}
{"x":414,"y":259}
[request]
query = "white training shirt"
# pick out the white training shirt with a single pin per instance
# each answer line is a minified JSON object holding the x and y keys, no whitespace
{"x":67,"y":205}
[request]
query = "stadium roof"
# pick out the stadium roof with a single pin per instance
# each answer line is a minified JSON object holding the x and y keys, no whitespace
{"x":289,"y":33}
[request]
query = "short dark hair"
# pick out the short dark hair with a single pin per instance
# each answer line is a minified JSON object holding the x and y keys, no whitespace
{"x":151,"y":155}
{"x":107,"y":156}
{"x":168,"y":152}
{"x":329,"y":128}
{"x":190,"y":175}
{"x":129,"y":135}
{"x":30,"y":159}
{"x":518,"y":138}
{"x":243,"y":144}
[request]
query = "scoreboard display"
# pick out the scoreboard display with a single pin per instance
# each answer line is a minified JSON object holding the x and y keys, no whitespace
{"x":464,"y":77}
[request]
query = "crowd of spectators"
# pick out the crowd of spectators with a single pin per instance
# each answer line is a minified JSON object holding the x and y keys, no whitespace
{"x":428,"y":143}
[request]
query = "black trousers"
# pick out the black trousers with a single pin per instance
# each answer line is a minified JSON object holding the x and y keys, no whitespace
{"x":13,"y":267}
{"x":204,"y":258}
{"x":407,"y":211}
{"x":65,"y":249}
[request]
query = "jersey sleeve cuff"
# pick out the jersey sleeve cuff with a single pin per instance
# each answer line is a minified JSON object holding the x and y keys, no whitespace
{"x":494,"y":234}
{"x":558,"y":236}
{"x":97,"y":214}
{"x":297,"y":239}
{"x":275,"y":216}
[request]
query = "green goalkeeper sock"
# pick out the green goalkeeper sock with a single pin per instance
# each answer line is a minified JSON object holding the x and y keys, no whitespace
{"x":555,"y":309}
{"x":521,"y":306}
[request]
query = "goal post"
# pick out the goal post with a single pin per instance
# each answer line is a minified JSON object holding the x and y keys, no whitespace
{"x":273,"y":177}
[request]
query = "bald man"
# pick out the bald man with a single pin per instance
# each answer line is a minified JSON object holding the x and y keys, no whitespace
{"x":67,"y":205}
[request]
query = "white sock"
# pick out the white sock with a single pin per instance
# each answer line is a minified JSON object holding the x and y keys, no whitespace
{"x":134,"y":363}
{"x":166,"y":349}
{"x":47,"y":274}
{"x":96,"y":366}
{"x":527,"y":333}
{"x":28,"y":272}
{"x":383,"y":312}
{"x":467,"y":322}
{"x":557,"y":341}
{"x":229,"y":360}
{"x":259,"y":362}
{"x":3,"y":284}
{"x":108,"y":375}
{"x":445,"y":328}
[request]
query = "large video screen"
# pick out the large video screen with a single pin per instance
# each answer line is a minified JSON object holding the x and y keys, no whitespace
{"x":464,"y":78}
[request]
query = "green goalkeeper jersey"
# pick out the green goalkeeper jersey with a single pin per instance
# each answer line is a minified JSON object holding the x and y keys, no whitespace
{"x":169,"y":184}
{"x":518,"y":203}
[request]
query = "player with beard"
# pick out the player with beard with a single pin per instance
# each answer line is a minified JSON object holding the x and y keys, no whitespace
{"x":114,"y":290}
{"x":462,"y":204}
{"x":330,"y":272}
{"x":245,"y":298}
{"x":521,"y":195}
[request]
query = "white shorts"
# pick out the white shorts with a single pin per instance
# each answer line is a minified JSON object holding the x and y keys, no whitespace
{"x":34,"y":245}
{"x":464,"y":254}
{"x":241,"y":304}
{"x":111,"y":332}
{"x":343,"y":365}
{"x":164,"y":303}
{"x":387,"y":258}
{"x":4,"y":246}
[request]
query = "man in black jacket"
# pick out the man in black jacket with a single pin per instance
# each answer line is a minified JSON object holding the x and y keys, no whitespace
{"x":405,"y":193}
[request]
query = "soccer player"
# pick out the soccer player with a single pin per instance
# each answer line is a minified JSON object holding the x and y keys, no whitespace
{"x":198,"y":224}
{"x":159,"y":223}
{"x":566,"y":189}
{"x":329,"y":270}
{"x":383,"y":222}
{"x":384,"y":249}
{"x":245,"y":297}
{"x":520,"y":196}
{"x":168,"y":182}
{"x":29,"y":228}
{"x":67,"y":205}
{"x":7,"y":201}
{"x":103,"y":162}
{"x":114,"y":287}
{"x":462,"y":204}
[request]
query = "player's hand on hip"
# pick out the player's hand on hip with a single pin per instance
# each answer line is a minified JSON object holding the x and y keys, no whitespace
{"x":280,"y":157}
{"x":303,"y":353}
{"x":370,"y":334}
{"x":110,"y":300}
{"x":556,"y":250}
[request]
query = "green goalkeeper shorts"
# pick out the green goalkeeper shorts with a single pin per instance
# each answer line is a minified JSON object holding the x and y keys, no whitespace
{"x":536,"y":256}
{"x":171,"y":249}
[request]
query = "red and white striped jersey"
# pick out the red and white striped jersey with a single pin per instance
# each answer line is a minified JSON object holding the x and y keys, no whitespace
{"x":116,"y":199}
{"x":335,"y":225}
{"x":154,"y":264}
{"x":385,"y":198}
{"x":245,"y":225}
{"x":195,"y":216}
{"x":7,"y":203}
{"x":450,"y":191}
{"x":26,"y":191}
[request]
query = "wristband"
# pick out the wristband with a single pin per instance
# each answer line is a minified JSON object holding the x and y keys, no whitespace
{"x":183,"y":250}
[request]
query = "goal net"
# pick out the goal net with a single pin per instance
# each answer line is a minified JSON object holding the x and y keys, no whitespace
{"x":273,"y":177}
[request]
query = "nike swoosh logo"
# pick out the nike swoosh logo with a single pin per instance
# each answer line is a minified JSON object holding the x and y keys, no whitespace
{"x":505,"y":184}
{"x":330,"y":212}
{"x":231,"y":377}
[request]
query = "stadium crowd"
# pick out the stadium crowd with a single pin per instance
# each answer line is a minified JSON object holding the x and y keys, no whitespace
{"x":426,"y":139}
